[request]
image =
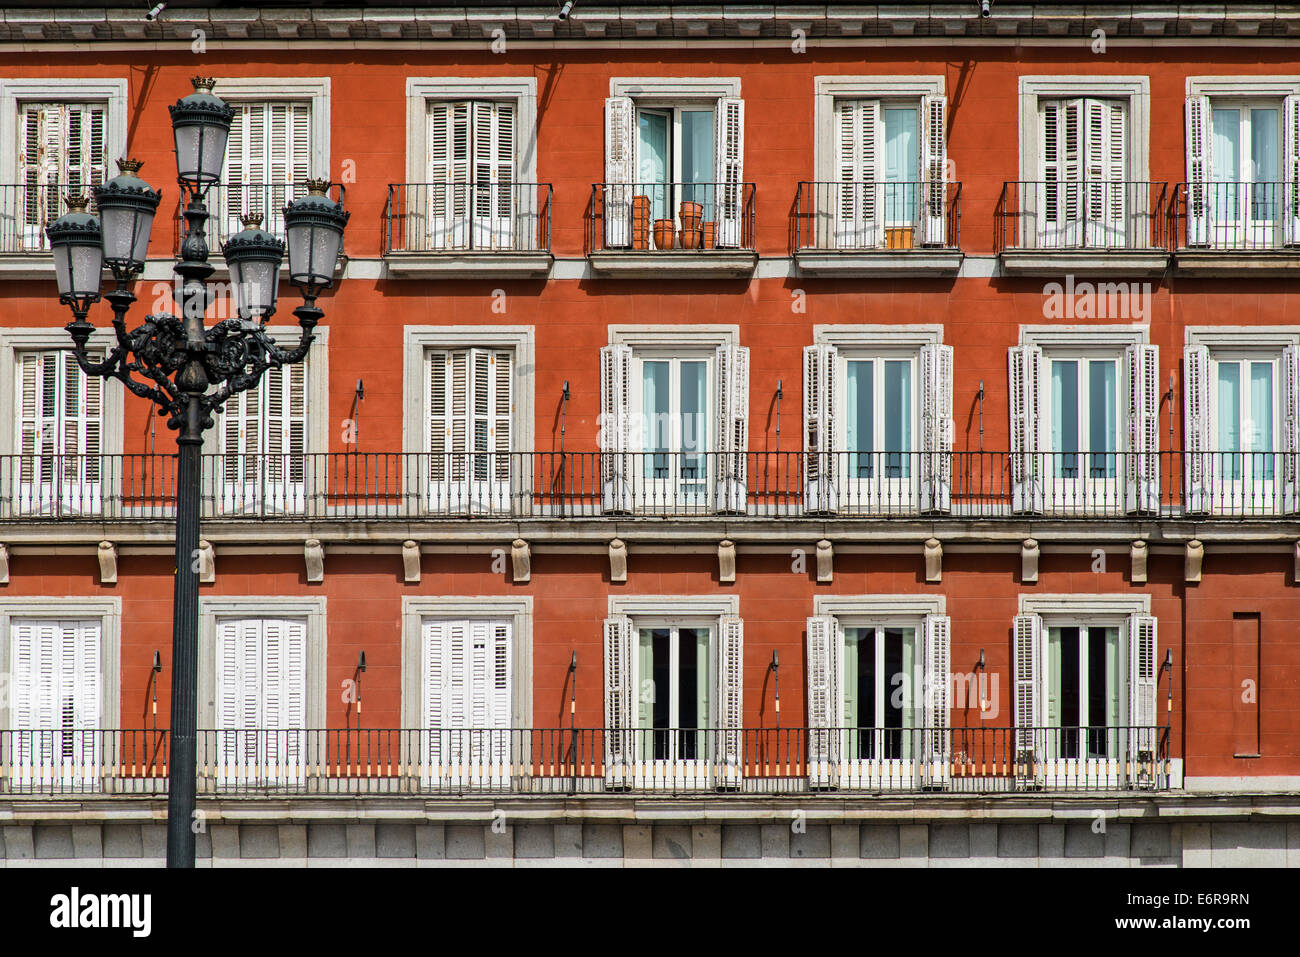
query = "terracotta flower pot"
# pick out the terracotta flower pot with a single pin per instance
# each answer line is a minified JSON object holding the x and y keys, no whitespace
{"x":690,"y":215}
{"x":665,"y":232}
{"x":640,"y":222}
{"x":710,"y":235}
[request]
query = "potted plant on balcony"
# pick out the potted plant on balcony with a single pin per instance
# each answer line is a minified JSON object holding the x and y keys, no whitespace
{"x":640,"y":222}
{"x":691,"y":214}
{"x":664,"y":233}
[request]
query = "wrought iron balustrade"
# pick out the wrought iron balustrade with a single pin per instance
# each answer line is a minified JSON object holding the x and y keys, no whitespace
{"x":467,"y":217}
{"x":1074,"y":214}
{"x":877,"y":216}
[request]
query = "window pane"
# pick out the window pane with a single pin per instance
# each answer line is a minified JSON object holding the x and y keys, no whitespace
{"x":657,"y":425}
{"x":1229,"y":415}
{"x":1102,"y":423}
{"x":652,"y":159}
{"x":694,"y":424}
{"x":860,"y":424}
{"x":895,"y":674}
{"x":1260,"y":422}
{"x":1264,"y":157}
{"x":1226,"y":163}
{"x":898,"y":418}
{"x":1065,"y":418}
{"x":1103,"y":690}
{"x":1063,"y":690}
{"x":901,"y":162}
{"x":697,"y":158}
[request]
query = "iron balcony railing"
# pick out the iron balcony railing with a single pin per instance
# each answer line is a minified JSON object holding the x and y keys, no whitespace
{"x":1236,"y":217}
{"x":482,"y":216}
{"x":845,"y":216}
{"x":876,"y":485}
{"x":228,"y":202}
{"x":683,"y":217}
{"x":27,"y":208}
{"x":1100,"y":214}
{"x":971,"y":760}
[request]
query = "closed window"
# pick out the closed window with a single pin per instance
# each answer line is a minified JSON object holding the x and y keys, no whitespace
{"x":470,"y":408}
{"x":470,"y":198}
{"x":1244,"y":404}
{"x":879,"y":411}
{"x":879,"y":163}
{"x":61,"y":152}
{"x":1083,"y":427}
{"x":60,"y":431}
{"x":268,"y":159}
{"x":1086,"y":193}
{"x":263,"y":443}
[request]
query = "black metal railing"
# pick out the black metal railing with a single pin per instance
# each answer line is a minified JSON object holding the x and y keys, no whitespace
{"x":1236,"y":217}
{"x":879,"y":485}
{"x":686,"y":217}
{"x":229,"y":202}
{"x":846,"y":216}
{"x":456,"y":761}
{"x":467,"y":217}
{"x":27,"y":208}
{"x":1099,"y":214}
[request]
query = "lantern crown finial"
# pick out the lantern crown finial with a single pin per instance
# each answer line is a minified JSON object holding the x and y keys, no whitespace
{"x":129,"y":166}
{"x":317,"y":187}
{"x":251,"y":220}
{"x":203,"y":84}
{"x":77,"y":203}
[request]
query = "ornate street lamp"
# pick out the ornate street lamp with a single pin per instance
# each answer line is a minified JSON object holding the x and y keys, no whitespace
{"x":187,"y":370}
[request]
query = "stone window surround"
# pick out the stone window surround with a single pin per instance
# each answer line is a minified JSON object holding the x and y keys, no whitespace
{"x":42,"y":340}
{"x":111,"y":91}
{"x":876,"y":339}
{"x":1234,"y":86}
{"x":674,"y":606}
{"x":672,"y":90}
{"x":690,"y":338}
{"x":828,"y":89}
{"x":519,"y":609}
{"x":244,"y":89}
{"x":1136,"y":89}
{"x":1107,"y":338}
{"x":521,"y":89}
{"x":1111,"y":605}
{"x":420,"y":339}
{"x":1269,"y":339}
{"x":879,"y":607}
{"x":309,"y":607}
{"x":318,"y":393}
{"x":73,"y":607}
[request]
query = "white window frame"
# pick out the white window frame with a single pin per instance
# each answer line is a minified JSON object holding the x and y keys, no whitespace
{"x":14,"y":92}
{"x":266,"y":89}
{"x":108,"y":611}
{"x":416,"y":608}
{"x":310,"y":608}
{"x":420,"y":91}
{"x":828,"y":89}
{"x":1135,"y":89}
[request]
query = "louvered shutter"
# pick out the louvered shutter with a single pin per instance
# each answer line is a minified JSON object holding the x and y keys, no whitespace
{"x":271,"y":755}
{"x":822,"y":632}
{"x":620,"y":139}
{"x":934,"y":167}
{"x":1105,"y":172}
{"x":1029,"y":698}
{"x":284,"y":697}
{"x":620,"y":695}
{"x":27,"y":712}
{"x":1199,"y":199}
{"x":857,"y":157}
{"x":821,"y":488}
{"x":1198,"y":471}
{"x":1142,"y":677}
{"x":501,"y":374}
{"x":731,"y":366}
{"x":493,"y":171}
{"x":1291,"y":169}
{"x":434,"y":637}
{"x":439,"y":373}
{"x":60,"y":429}
{"x":729,"y":156}
{"x":1023,"y":368}
{"x":1062,"y":201}
{"x":1142,"y":466}
{"x":500,"y":719}
{"x":615,"y":427}
{"x":56,"y":702}
{"x":937,"y":759}
{"x":41,"y":172}
{"x":729,"y":757}
{"x":267,"y":152}
{"x":1291,"y":429}
{"x":238,"y":712}
{"x":936,"y":427}
{"x":82,"y":640}
{"x":449,"y":145}
{"x":285,"y":423}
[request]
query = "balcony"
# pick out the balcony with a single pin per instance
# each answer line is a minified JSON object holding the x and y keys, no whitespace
{"x":228,"y":203}
{"x":679,"y":230}
{"x":1113,"y":227}
{"x":877,"y":230}
{"x":631,"y":486}
{"x":468,"y":230}
{"x":25,"y":210}
{"x":1236,"y":230}
{"x":572,"y":761}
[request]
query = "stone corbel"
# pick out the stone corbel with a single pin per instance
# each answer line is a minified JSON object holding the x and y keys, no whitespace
{"x":1192,"y":562}
{"x":726,"y":561}
{"x":314,"y":555}
{"x":1138,"y":552}
{"x":207,"y":563}
{"x":933,"y":560}
{"x":4,"y":564}
{"x":107,"y":563}
{"x":617,"y":561}
{"x":1029,"y":553}
{"x":520,"y":561}
{"x":825,"y":562}
{"x":411,"y":562}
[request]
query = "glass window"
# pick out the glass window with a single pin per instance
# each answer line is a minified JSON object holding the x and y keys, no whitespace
{"x":675,"y":148}
{"x":1083,"y":690}
{"x":673,"y":700}
{"x":878,"y":420}
{"x":1245,"y":162}
{"x":879,"y":685}
{"x":1084,"y":424}
{"x":902,"y":162}
{"x":1244,"y":418}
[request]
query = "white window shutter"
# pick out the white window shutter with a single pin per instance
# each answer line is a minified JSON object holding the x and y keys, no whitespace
{"x":731,"y":366}
{"x":857,"y":158}
{"x":1143,"y":675}
{"x":729,"y":156}
{"x":434,"y":637}
{"x":501,"y":365}
{"x":1106,"y":172}
{"x":620,"y":697}
{"x":1030,"y":693}
{"x":41,"y":171}
{"x":1198,"y":470}
{"x":284,"y":419}
{"x":493,"y":174}
{"x":449,"y":147}
{"x":1198,"y":170}
{"x":729,"y":755}
{"x":1291,"y":169}
{"x":1291,"y":429}
{"x":821,"y":491}
{"x":615,"y":427}
{"x":293,"y":697}
{"x":934,"y":168}
{"x":1142,"y":457}
{"x":937,"y":760}
{"x":620,"y":145}
{"x":1062,"y":200}
{"x":1024,"y":371}
{"x":936,"y":427}
{"x":824,"y":722}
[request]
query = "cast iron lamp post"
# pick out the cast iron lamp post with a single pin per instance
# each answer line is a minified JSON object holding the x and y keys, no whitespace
{"x":187,"y":370}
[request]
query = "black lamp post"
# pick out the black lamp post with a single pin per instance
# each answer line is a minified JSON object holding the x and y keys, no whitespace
{"x":187,"y":370}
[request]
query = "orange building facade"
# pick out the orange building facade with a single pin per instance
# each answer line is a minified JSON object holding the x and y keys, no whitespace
{"x":950,"y":452}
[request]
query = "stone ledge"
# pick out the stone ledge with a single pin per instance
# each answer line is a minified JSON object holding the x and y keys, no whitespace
{"x":1117,"y":263}
{"x":879,"y":264}
{"x":1243,"y":264}
{"x":468,"y":265}
{"x":675,"y":264}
